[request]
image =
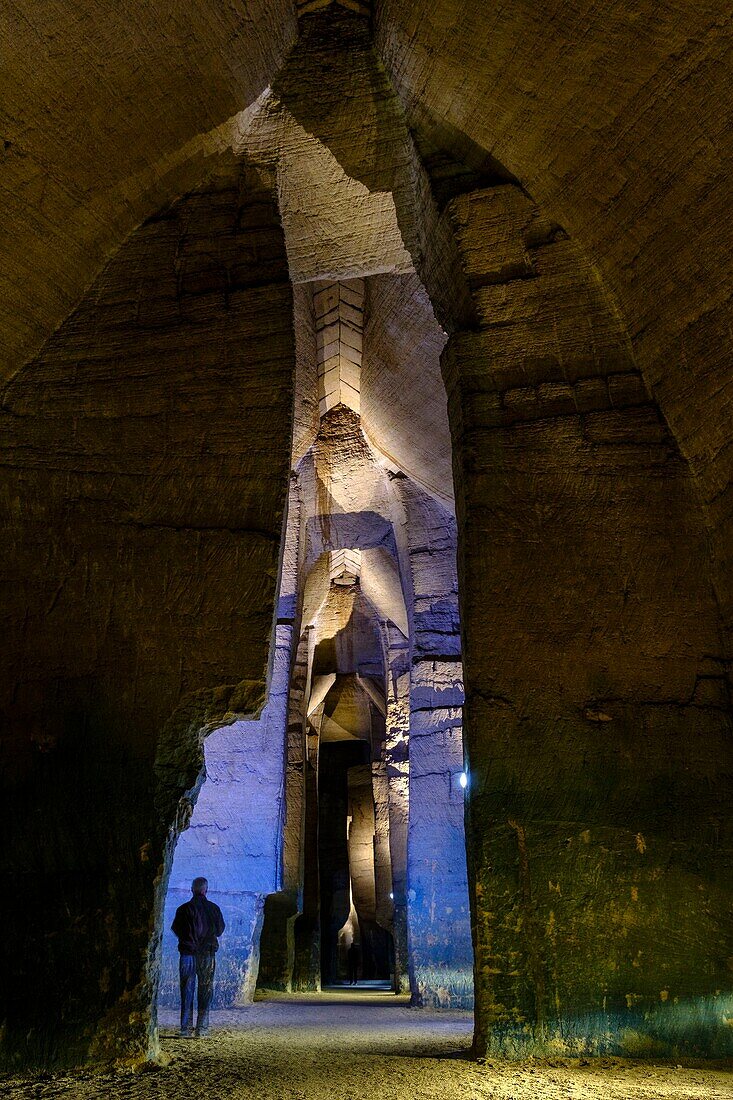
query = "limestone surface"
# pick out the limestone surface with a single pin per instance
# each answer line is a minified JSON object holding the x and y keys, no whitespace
{"x":498,"y":540}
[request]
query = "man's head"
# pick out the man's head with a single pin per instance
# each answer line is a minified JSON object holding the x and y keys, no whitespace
{"x":199,"y":886}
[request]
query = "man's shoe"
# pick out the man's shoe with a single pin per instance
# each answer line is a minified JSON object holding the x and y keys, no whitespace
{"x":202,"y":1033}
{"x":186,"y":1033}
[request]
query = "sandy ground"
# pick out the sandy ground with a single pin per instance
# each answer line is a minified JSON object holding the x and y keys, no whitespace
{"x":341,"y":1047}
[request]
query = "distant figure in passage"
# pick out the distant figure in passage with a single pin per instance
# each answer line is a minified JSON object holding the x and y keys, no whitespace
{"x":197,"y":924}
{"x":352,"y":957}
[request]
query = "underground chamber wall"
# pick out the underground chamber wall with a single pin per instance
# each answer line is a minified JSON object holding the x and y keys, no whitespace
{"x":336,"y":818}
{"x":599,"y":733}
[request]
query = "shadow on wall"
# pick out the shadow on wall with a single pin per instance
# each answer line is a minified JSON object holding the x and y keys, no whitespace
{"x":235,"y":841}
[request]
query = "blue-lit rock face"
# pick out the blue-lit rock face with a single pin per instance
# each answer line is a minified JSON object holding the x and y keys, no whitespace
{"x":439,"y":932}
{"x":235,"y":840}
{"x":438,"y":912}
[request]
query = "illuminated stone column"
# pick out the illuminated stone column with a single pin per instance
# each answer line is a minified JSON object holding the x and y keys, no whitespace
{"x":294,"y":780}
{"x":361,"y":842}
{"x":307,"y":953}
{"x":441,"y":956}
{"x":382,"y":856}
{"x":277,"y":942}
{"x":398,"y":786}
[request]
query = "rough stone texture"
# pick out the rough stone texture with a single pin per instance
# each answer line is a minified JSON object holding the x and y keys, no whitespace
{"x":351,"y":586}
{"x":441,"y":954}
{"x":383,"y":870}
{"x":306,"y":419}
{"x":616,"y":118}
{"x":439,"y":935}
{"x":235,"y":839}
{"x":598,"y":719}
{"x":334,"y":127}
{"x":613,"y":117}
{"x":277,"y":941}
{"x":105,"y":117}
{"x":350,"y":500}
{"x":145,"y":459}
{"x":361,"y":833}
{"x":377,"y":587}
{"x":592,"y":597}
{"x":401,"y":382}
{"x":397,"y":772}
{"x":355,"y":197}
{"x":236,"y":834}
{"x":339,"y":312}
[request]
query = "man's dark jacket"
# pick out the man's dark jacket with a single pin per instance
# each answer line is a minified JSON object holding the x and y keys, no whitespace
{"x":197,"y":923}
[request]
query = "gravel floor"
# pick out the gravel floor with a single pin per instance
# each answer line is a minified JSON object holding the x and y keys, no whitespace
{"x":340,"y":1047}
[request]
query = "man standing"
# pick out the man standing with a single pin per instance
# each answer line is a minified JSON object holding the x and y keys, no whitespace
{"x":197,"y":924}
{"x":352,"y":958}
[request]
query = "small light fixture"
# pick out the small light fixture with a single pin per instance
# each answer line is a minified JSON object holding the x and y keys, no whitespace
{"x":463,"y":780}
{"x":391,"y":895}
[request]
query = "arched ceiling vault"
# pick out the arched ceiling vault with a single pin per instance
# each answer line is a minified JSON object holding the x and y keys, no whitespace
{"x":106,"y":113}
{"x":616,"y":117}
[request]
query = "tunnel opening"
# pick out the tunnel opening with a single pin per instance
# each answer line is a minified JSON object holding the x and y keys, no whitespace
{"x":334,"y":822}
{"x":330,"y":828}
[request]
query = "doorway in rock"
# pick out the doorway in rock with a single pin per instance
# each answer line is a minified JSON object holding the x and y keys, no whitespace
{"x":355,"y":889}
{"x":336,"y":817}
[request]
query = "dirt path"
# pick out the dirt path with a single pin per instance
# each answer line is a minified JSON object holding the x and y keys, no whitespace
{"x":336,"y":1048}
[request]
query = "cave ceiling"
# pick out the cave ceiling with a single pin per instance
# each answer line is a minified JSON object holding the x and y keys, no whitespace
{"x":616,"y":119}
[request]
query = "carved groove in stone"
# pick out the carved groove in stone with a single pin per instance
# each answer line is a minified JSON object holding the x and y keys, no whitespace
{"x":360,"y":7}
{"x":345,"y":567}
{"x":339,"y":312}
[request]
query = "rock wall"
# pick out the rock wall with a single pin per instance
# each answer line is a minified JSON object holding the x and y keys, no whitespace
{"x":616,"y":119}
{"x":441,"y":953}
{"x":597,"y":710}
{"x":109,"y":114}
{"x":440,"y":949}
{"x":401,"y":382}
{"x":145,"y":454}
{"x":145,"y":464}
{"x":235,"y":839}
{"x":236,"y":835}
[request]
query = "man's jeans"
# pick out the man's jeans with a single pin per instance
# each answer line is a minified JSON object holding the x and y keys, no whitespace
{"x":191,"y":968}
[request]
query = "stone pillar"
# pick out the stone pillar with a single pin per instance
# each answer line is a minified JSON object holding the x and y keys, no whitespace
{"x":398,"y":787}
{"x":361,"y":833}
{"x":382,"y":857}
{"x":596,"y":713}
{"x":439,"y":934}
{"x":277,"y":946}
{"x":307,"y":931}
{"x":441,"y":958}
